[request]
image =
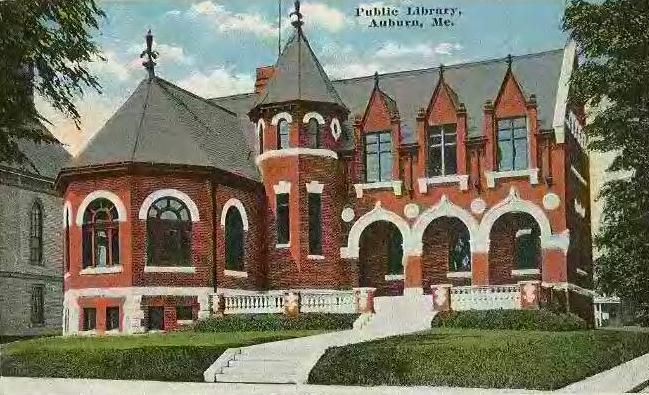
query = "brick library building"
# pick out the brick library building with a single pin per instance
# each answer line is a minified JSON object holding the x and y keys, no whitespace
{"x":465,"y":184}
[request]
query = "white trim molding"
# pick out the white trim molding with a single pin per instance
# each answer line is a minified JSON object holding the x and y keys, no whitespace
{"x":313,"y":114}
{"x":581,"y":210}
{"x":169,"y":269}
{"x":569,"y":287}
{"x":67,"y":213}
{"x":235,"y":273}
{"x":378,"y":213}
{"x":315,"y":257}
{"x":101,"y":194}
{"x":162,"y":193}
{"x":279,"y":245}
{"x":393,"y":277}
{"x":458,"y":275}
{"x":511,"y":204}
{"x":101,"y":270}
{"x":261,"y":124}
{"x":233,"y":202}
{"x":557,"y":241}
{"x":444,"y":208}
{"x":282,"y":115}
{"x":295,"y":151}
{"x":336,"y":129}
{"x":578,"y":175}
{"x":492,"y":176}
{"x":561,"y":106}
{"x":461,"y":179}
{"x":314,"y":187}
{"x":525,"y":272}
{"x":581,"y":272}
{"x":396,"y":186}
{"x":282,"y":187}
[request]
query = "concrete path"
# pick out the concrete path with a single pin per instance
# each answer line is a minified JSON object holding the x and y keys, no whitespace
{"x":290,"y":361}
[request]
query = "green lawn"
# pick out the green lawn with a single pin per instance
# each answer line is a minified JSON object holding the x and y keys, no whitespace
{"x":480,"y":358}
{"x":176,"y":356}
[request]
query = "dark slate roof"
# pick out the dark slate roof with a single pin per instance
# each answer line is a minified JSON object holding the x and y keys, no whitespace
{"x":299,"y":76}
{"x":45,"y":160}
{"x":162,"y":123}
{"x":473,"y":84}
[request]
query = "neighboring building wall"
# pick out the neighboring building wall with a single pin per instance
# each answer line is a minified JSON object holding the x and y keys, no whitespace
{"x":18,"y":275}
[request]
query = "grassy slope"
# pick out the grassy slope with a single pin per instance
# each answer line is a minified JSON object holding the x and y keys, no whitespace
{"x":480,"y":358}
{"x":179,"y":356}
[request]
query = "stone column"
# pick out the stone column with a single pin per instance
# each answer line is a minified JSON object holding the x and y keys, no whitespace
{"x":204,"y":306}
{"x":133,"y":314}
{"x":413,"y":278}
{"x":71,"y":305}
{"x":292,"y":303}
{"x":364,"y":300}
{"x":441,"y":294}
{"x":530,"y":294}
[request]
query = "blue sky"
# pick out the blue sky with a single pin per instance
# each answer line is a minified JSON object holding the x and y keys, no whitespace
{"x":212,"y":47}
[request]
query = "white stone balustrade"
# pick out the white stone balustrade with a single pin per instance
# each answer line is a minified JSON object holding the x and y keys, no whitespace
{"x":254,"y":303}
{"x":339,"y":302}
{"x":275,"y":302}
{"x":489,"y":297}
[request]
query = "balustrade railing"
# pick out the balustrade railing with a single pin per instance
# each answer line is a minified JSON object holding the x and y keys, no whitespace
{"x":254,"y":303}
{"x":339,"y":302}
{"x":274,"y":302}
{"x":488,"y":297}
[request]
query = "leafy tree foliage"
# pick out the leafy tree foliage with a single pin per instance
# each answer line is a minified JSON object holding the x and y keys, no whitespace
{"x":45,"y":46}
{"x":613,"y":77}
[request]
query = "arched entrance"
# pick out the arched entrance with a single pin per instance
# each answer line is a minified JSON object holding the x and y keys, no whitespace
{"x":446,"y":253}
{"x":381,"y":258}
{"x":514,"y":249}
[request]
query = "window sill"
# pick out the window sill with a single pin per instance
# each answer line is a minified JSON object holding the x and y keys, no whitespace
{"x":169,"y":269}
{"x":492,"y":176}
{"x":395,"y":185}
{"x":525,"y":272}
{"x":102,"y":270}
{"x":461,"y":179}
{"x":581,"y":272}
{"x":315,"y":257}
{"x":288,"y":245}
{"x":185,"y":322}
{"x":458,"y":275}
{"x":393,"y":277}
{"x":235,"y":273}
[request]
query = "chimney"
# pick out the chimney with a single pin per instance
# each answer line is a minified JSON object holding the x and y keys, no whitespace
{"x":264,"y":73}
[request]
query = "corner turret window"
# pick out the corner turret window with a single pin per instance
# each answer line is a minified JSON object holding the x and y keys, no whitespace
{"x":283,"y":233}
{"x":100,"y":234}
{"x":234,"y":236}
{"x":282,"y":134}
{"x":378,"y":157}
{"x":315,"y":224}
{"x":169,"y":230}
{"x":313,"y":129}
{"x":36,"y":234}
{"x":442,"y":153}
{"x":512,"y":144}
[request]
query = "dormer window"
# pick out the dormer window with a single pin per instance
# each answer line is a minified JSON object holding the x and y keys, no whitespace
{"x":512,"y":144}
{"x":442,"y":153}
{"x":282,"y":134}
{"x":378,"y":157}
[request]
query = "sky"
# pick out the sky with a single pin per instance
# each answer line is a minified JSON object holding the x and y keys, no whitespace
{"x":212,"y":47}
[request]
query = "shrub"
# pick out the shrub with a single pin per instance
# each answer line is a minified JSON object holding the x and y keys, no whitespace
{"x":275,"y":322}
{"x":540,"y":320}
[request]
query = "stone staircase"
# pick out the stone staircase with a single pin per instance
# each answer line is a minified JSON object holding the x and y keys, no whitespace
{"x":290,"y":361}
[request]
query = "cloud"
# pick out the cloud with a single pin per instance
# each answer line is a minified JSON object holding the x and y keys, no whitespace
{"x":226,"y":21}
{"x":217,"y":82}
{"x":112,"y":68}
{"x":393,"y":50}
{"x":168,"y":53}
{"x":323,"y":16}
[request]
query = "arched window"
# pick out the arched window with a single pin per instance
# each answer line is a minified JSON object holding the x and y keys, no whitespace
{"x":282,"y":134}
{"x":459,"y":254}
{"x":169,"y":229}
{"x":100,"y":234}
{"x":313,"y":129}
{"x":36,"y":234}
{"x":234,"y":238}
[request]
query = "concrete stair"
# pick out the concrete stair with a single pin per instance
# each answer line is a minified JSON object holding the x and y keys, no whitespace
{"x":290,"y":361}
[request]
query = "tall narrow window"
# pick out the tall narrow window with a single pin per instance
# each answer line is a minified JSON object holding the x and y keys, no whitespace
{"x":442,"y":151}
{"x":527,"y":249}
{"x":282,"y":134}
{"x":283,"y":229}
{"x":89,"y":319}
{"x":38,"y":305}
{"x":313,"y":128}
{"x":36,"y":234}
{"x":512,"y":144}
{"x":66,"y":246}
{"x":169,"y":229}
{"x":315,"y":224}
{"x":378,"y":157}
{"x":459,"y":254}
{"x":112,"y":318}
{"x":156,"y":321}
{"x":234,"y":237}
{"x":100,"y":234}
{"x":260,"y":135}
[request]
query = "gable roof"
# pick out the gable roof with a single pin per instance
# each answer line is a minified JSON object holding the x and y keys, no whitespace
{"x":473,"y":83}
{"x":298,"y":76}
{"x":162,"y":123}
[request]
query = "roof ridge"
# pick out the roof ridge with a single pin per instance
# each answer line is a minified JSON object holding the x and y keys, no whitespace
{"x":139,"y":126}
{"x":232,"y":96}
{"x":193,"y":95}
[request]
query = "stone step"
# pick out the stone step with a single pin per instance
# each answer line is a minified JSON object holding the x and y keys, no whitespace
{"x":263,"y":376}
{"x":261,"y":364}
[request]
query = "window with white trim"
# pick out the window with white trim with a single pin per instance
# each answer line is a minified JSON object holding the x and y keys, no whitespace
{"x":169,"y":231}
{"x":378,"y":156}
{"x":112,"y":318}
{"x":512,"y":149}
{"x":89,"y":319}
{"x":234,"y":237}
{"x":36,"y":234}
{"x":100,"y":231}
{"x":283,"y":221}
{"x":442,"y":150}
{"x":314,"y":132}
{"x":282,"y":134}
{"x":315,"y":223}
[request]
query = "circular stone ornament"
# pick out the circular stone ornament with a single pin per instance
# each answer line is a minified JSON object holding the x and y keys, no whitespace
{"x":551,"y":201}
{"x":478,"y":206}
{"x":348,"y":214}
{"x":411,"y":210}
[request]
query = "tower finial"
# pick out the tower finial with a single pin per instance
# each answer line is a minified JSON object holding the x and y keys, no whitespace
{"x":509,"y":60}
{"x":297,"y":23}
{"x":376,"y":80}
{"x":149,"y":63}
{"x":441,"y":71}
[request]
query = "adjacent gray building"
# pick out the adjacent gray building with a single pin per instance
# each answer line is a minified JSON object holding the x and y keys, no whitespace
{"x":32,"y":228}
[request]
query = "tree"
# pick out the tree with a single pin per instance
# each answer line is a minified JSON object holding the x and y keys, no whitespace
{"x":613,"y":77}
{"x":46,"y":46}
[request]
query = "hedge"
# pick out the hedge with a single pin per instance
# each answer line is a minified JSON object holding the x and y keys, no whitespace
{"x":275,"y":322}
{"x":540,"y":320}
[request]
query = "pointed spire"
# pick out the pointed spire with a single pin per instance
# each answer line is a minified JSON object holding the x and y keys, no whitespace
{"x":376,"y":80}
{"x":149,"y":64}
{"x":441,"y":71}
{"x":297,"y":22}
{"x":509,"y":61}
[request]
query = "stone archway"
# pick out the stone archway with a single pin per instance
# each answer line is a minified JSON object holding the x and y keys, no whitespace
{"x":380,"y":262}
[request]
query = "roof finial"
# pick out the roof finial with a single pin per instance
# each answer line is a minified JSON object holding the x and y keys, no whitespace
{"x":297,"y":23}
{"x":441,"y":71}
{"x":150,"y":54}
{"x":376,"y":80}
{"x":509,"y":60}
